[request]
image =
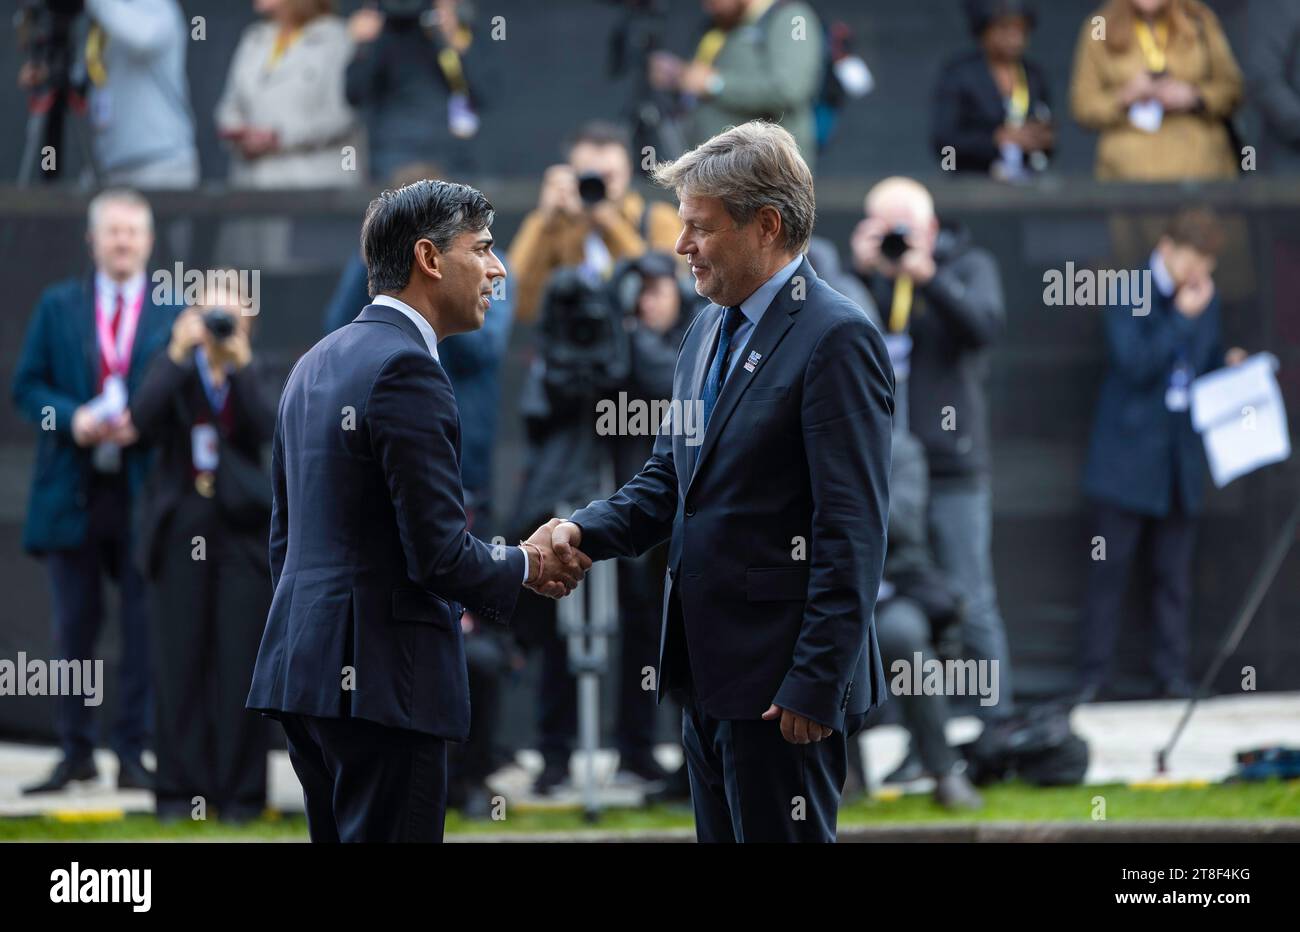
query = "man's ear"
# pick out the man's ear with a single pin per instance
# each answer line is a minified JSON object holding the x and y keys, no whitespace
{"x":769,"y":223}
{"x":428,"y":260}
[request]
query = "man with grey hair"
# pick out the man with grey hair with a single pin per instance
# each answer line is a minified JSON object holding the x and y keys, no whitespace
{"x":87,"y":348}
{"x":777,"y":517}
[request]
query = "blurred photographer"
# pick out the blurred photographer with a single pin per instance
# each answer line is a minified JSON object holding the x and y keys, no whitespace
{"x":587,"y":216}
{"x":415,"y":76}
{"x":941,"y":299}
{"x":209,"y":407}
{"x":597,"y":340}
{"x":129,"y":57}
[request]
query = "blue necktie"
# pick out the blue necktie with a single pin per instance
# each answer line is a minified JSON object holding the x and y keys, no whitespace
{"x":718,"y":371}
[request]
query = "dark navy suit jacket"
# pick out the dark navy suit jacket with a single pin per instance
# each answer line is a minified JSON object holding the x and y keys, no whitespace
{"x":370,"y":555}
{"x":777,"y":519}
{"x":1142,"y":455}
{"x":57,"y":372}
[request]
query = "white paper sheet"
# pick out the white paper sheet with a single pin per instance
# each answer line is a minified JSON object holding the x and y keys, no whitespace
{"x":1239,"y":413}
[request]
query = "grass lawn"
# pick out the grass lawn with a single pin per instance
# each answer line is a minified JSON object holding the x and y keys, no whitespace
{"x":1005,"y":803}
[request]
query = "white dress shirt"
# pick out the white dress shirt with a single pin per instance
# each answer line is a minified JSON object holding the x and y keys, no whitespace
{"x":425,"y":328}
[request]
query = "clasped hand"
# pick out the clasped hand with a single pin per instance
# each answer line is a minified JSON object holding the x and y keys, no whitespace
{"x":563,"y":565}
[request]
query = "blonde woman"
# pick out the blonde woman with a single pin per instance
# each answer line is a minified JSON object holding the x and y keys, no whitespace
{"x":1158,"y":81}
{"x":283,"y":109}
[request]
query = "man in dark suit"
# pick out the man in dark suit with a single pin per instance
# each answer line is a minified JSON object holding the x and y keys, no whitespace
{"x":363,"y":658}
{"x":1145,"y":474}
{"x":88,"y":346}
{"x":776,"y":512}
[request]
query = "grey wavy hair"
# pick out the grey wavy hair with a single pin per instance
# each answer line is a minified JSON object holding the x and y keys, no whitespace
{"x":754,"y":165}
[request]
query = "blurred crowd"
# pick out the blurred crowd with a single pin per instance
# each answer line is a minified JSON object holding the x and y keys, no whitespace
{"x":160,"y":412}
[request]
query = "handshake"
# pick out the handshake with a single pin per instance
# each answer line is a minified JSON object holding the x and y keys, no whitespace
{"x":555,"y":564}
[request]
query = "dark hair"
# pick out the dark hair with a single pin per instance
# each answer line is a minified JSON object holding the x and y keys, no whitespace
{"x":1199,"y":228}
{"x":981,"y":13}
{"x":599,"y":133}
{"x":438,"y":211}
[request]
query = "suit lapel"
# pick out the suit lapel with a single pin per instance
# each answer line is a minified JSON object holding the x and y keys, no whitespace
{"x":772,"y":327}
{"x":84,"y":333}
{"x":700,"y":363}
{"x":391,"y":315}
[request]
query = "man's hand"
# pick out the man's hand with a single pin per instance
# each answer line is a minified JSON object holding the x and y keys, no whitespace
{"x":1194,"y":297}
{"x":559,"y":193}
{"x":696,"y":79}
{"x":187,"y":332}
{"x":234,"y":351}
{"x":795,"y":728}
{"x":560,"y":573}
{"x":87,"y":429}
{"x":122,"y":431}
{"x":865,"y":245}
{"x":1235,"y":356}
{"x":365,"y":25}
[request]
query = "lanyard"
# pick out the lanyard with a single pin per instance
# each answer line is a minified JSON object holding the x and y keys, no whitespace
{"x":217,"y":394}
{"x":1153,"y":44}
{"x":117,"y":356}
{"x":1018,"y":106}
{"x":900,"y":309}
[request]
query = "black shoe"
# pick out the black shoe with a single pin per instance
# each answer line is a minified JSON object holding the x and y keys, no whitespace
{"x":132,"y":775}
{"x":910,"y":769}
{"x":550,"y":779}
{"x":64,"y":773}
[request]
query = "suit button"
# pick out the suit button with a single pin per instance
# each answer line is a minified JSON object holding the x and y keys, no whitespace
{"x":690,"y":511}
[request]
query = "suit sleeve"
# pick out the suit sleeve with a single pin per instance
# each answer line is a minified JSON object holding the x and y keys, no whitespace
{"x":151,"y":403}
{"x":967,"y":294}
{"x":1143,"y":348}
{"x":279,"y":541}
{"x":411,"y":416}
{"x":638,"y":516}
{"x":33,"y":385}
{"x":848,"y":411}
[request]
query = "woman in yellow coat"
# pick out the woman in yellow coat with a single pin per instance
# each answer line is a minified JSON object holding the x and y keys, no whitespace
{"x":1158,"y":80}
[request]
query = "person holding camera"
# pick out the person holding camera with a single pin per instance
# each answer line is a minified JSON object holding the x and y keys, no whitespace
{"x":941,"y":299}
{"x":209,"y":408}
{"x":137,"y":98}
{"x":413,"y":63}
{"x":587,"y":216}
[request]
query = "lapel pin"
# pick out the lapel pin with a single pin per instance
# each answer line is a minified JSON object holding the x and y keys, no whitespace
{"x":752,"y":361}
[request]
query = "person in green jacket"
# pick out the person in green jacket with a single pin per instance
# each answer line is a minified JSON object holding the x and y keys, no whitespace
{"x":760,"y":59}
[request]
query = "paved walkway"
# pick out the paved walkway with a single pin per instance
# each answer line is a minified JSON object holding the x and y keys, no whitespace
{"x":1123,"y":736}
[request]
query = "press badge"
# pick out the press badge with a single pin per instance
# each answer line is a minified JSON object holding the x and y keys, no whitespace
{"x":203,"y":447}
{"x":1176,"y":395}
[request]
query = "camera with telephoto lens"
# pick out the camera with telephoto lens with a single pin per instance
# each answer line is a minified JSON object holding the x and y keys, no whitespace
{"x":894,"y":243}
{"x":584,"y":341}
{"x":591,"y":188}
{"x":220,"y":323}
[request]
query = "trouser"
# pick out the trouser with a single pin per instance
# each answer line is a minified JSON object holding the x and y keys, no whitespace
{"x":208,"y":616}
{"x":78,"y":614}
{"x":903,"y":632}
{"x":748,"y":784}
{"x":365,"y":782}
{"x":1171,"y":540}
{"x":961,"y":536}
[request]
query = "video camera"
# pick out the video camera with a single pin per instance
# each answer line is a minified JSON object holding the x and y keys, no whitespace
{"x":583,"y":338}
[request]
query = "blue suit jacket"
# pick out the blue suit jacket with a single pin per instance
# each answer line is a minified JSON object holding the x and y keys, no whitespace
{"x":370,"y":556}
{"x":57,"y":373}
{"x":777,"y":519}
{"x":1142,"y":453}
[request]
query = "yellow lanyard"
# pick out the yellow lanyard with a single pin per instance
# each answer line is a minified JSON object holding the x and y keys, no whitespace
{"x":901,"y":307}
{"x":449,"y":61}
{"x":283,"y":41}
{"x":95,"y":43}
{"x":715,"y":39}
{"x":1153,"y":44}
{"x":1018,"y":109}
